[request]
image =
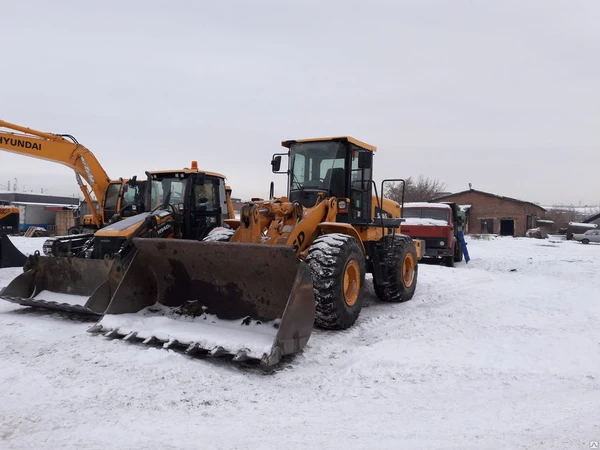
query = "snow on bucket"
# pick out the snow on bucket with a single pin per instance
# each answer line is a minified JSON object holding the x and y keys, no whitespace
{"x":254,"y":301}
{"x":64,"y":283}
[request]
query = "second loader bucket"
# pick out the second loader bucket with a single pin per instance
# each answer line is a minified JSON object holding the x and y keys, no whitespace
{"x":78,"y":285}
{"x":10,"y":256}
{"x":252,"y":301}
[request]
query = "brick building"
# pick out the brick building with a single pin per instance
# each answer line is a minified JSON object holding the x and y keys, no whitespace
{"x":494,"y":214}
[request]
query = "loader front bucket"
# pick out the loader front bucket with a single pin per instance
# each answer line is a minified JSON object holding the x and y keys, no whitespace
{"x":10,"y":256}
{"x":69,"y":284}
{"x":252,"y":301}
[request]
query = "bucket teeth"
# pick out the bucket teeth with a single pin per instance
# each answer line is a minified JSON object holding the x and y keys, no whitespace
{"x":240,"y":356}
{"x":170,"y":343}
{"x":149,"y":340}
{"x":130,"y":336}
{"x":112,"y":333}
{"x":217,"y":351}
{"x":194,"y":347}
{"x":95,"y":329}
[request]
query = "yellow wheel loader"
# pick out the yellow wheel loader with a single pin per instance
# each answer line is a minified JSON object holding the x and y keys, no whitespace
{"x":285,"y":265}
{"x":85,"y":280}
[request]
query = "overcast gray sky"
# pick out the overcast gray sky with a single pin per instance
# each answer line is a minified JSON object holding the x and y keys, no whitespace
{"x":502,"y":94}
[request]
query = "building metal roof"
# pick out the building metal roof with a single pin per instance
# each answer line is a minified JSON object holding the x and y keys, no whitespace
{"x":501,"y":197}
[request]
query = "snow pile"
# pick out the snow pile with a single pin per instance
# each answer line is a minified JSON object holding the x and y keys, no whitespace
{"x":28,"y":245}
{"x":426,"y":205}
{"x":502,"y":353}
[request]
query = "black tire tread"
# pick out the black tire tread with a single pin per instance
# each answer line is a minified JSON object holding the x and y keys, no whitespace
{"x":327,"y":258}
{"x":396,"y":291}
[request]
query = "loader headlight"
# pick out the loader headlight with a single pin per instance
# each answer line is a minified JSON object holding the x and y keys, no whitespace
{"x":442,"y":243}
{"x":342,"y":204}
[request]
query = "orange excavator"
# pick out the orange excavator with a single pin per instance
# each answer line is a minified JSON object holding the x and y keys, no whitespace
{"x":116,"y":198}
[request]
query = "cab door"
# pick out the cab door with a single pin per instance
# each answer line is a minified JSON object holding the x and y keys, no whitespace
{"x":360,"y":185}
{"x":204,"y":207}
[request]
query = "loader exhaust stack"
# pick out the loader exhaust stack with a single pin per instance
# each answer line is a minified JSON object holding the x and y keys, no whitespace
{"x":252,"y":301}
{"x":10,"y":256}
{"x":65,"y":284}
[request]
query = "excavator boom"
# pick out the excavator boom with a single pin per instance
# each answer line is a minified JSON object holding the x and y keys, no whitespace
{"x":62,"y":149}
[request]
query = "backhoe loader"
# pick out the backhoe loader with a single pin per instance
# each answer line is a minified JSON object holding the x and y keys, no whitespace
{"x":83,"y":281}
{"x":117,"y":198}
{"x":299,"y":260}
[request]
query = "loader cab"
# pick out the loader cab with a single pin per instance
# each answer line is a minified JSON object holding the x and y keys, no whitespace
{"x":197,"y":199}
{"x":339,"y":167}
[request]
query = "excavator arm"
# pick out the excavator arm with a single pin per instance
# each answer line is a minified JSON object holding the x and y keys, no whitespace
{"x":62,"y":149}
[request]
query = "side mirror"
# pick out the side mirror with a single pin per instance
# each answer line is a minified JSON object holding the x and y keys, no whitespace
{"x":276,"y":163}
{"x":365,"y":160}
{"x":132,"y":181}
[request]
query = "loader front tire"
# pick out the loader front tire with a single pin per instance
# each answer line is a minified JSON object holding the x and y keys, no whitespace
{"x":401,"y":266}
{"x":337,"y":267}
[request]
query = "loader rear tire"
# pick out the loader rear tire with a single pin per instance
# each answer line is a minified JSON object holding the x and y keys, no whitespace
{"x":337,"y":267}
{"x":402,"y":268}
{"x":219,"y":235}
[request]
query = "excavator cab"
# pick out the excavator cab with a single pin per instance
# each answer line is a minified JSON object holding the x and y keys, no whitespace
{"x":124,"y":199}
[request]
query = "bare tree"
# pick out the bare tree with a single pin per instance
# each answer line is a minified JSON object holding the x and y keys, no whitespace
{"x":563,"y":215}
{"x":420,"y":190}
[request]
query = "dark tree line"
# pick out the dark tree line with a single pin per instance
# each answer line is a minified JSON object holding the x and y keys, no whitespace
{"x":420,"y":190}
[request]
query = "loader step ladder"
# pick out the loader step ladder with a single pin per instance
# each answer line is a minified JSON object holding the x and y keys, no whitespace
{"x":463,"y":246}
{"x":30,"y":231}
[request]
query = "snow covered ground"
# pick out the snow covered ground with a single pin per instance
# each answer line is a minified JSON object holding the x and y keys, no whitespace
{"x":501,"y":353}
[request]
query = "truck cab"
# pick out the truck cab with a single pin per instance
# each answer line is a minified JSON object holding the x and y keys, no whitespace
{"x":438,"y":225}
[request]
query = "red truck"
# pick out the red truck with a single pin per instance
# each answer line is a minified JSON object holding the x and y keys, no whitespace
{"x":437,"y":224}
